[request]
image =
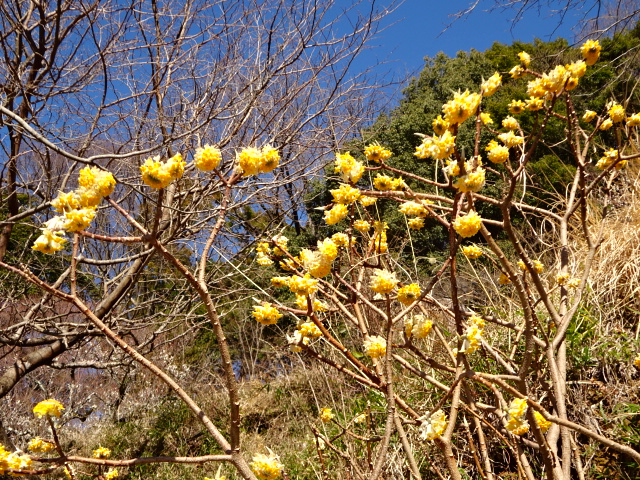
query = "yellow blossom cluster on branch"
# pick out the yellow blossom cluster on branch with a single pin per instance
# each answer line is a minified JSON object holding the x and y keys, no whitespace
{"x":433,"y":426}
{"x":266,"y":467}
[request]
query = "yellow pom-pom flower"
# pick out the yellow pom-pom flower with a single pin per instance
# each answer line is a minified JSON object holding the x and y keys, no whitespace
{"x":616,"y":112}
{"x":207,"y":158}
{"x":525,"y":59}
{"x":49,"y":242}
{"x":416,"y":223}
{"x":336,"y":214}
{"x":266,"y":314}
{"x":510,"y":139}
{"x":433,"y":427}
{"x":542,"y":422}
{"x":303,"y":285}
{"x":101,"y":452}
{"x":472,"y":251}
{"x":155,"y":174}
{"x":497,"y":153}
{"x":463,"y":105}
{"x":383,"y":281}
{"x":374,"y":152}
{"x":349,"y":168}
{"x":591,"y":51}
{"x":409,"y":293}
{"x":346,"y":194}
{"x":516,"y":107}
{"x":417,"y":326}
{"x":606,"y":125}
{"x":491,"y":86}
{"x":362,"y":226}
{"x":326,"y":415}
{"x":266,"y":467}
{"x":589,"y":115}
{"x":48,"y":408}
{"x":510,"y":123}
{"x":80,"y":219}
{"x":468,"y":225}
{"x":375,"y":347}
{"x":111,"y":474}
{"x":39,"y":445}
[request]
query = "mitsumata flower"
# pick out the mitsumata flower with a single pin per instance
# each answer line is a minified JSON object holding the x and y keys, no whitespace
{"x":37,"y":445}
{"x":383,"y":281}
{"x":101,"y":452}
{"x":266,"y":467}
{"x":409,"y":293}
{"x":266,"y":314}
{"x":375,"y":347}
{"x":374,"y":152}
{"x":48,"y":408}
{"x":362,"y":226}
{"x":433,"y":426}
{"x":589,"y":115}
{"x":417,"y":326}
{"x":472,"y":251}
{"x":516,"y":422}
{"x":490,"y":86}
{"x":497,"y":153}
{"x":348,"y":167}
{"x":590,"y":51}
{"x":336,"y":214}
{"x":525,"y":59}
{"x":416,"y":223}
{"x":511,"y":123}
{"x":616,"y":112}
{"x":207,"y":158}
{"x":158,"y":174}
{"x":326,"y":415}
{"x":414,"y":209}
{"x":468,"y":225}
{"x":253,"y":161}
{"x":473,"y":335}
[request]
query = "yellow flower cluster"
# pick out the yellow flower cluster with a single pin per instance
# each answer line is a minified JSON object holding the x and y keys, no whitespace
{"x":348,"y":167}
{"x":589,"y":115}
{"x":266,"y":314}
{"x":415,"y":209}
{"x":77,"y":209}
{"x":510,"y":139}
{"x":472,"y":251}
{"x":516,"y":107}
{"x":362,"y":226}
{"x":606,"y":125}
{"x":336,"y":214}
{"x":207,"y":158}
{"x":610,"y":157}
{"x":525,"y":59}
{"x":379,"y":240}
{"x":491,"y":86}
{"x":158,"y":174}
{"x":538,"y":266}
{"x":409,"y":293}
{"x":326,"y":415}
{"x":517,"y":423}
{"x":486,"y":119}
{"x":48,"y":408}
{"x":440,"y":125}
{"x":111,"y":474}
{"x":101,"y":452}
{"x":383,"y":281}
{"x":266,"y":467}
{"x":318,"y":263}
{"x":39,"y":445}
{"x":342,"y":239}
{"x":461,"y":107}
{"x":473,"y":334}
{"x":436,"y":147}
{"x":253,"y":161}
{"x":303,"y":285}
{"x":633,"y":120}
{"x":417,"y":326}
{"x":367,"y":201}
{"x":317,"y":305}
{"x":510,"y":123}
{"x":375,"y":347}
{"x":374,"y":152}
{"x":590,"y":51}
{"x":263,"y":251}
{"x":13,"y":461}
{"x":473,"y":180}
{"x":433,"y":426}
{"x":542,"y":422}
{"x":468,"y":225}
{"x":346,"y":194}
{"x":385,"y":182}
{"x":416,"y":223}
{"x":616,"y":112}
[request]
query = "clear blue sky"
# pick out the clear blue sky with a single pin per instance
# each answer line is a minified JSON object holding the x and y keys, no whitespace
{"x":417,"y":29}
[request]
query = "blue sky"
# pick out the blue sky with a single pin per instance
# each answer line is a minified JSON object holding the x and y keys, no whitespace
{"x":417,"y":29}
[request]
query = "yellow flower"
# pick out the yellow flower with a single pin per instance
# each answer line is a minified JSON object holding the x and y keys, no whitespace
{"x":207,"y":158}
{"x":346,"y":194}
{"x":538,"y":266}
{"x":590,"y":51}
{"x":452,"y":168}
{"x":473,"y":335}
{"x":175,"y":166}
{"x":589,"y":115}
{"x":534,"y":104}
{"x":472,"y":251}
{"x":577,"y":69}
{"x":562,"y":278}
{"x":516,"y":423}
{"x":504,"y":279}
{"x":249,"y":160}
{"x":542,"y":422}
{"x":572,"y":83}
{"x":510,"y":139}
{"x":606,"y":125}
{"x":486,"y":119}
{"x":417,"y":326}
{"x":340,"y":239}
{"x":349,"y":168}
{"x":65,"y":202}
{"x":553,"y":82}
{"x":385,"y":182}
{"x":328,"y":249}
{"x":436,"y":147}
{"x":468,"y":225}
{"x":489,"y":87}
{"x":315,"y":263}
{"x":50,"y":407}
{"x":633,"y":120}
{"x":497,"y":153}
{"x":270,"y":159}
{"x":375,"y":347}
{"x":516,"y":72}
{"x":101,"y":452}
{"x":516,"y":107}
{"x":535,"y":88}
{"x":415,"y":209}
{"x":374,"y":152}
{"x":416,"y":223}
{"x":409,"y":293}
{"x":510,"y":123}
{"x":40,"y":446}
{"x":367,"y":201}
{"x":309,"y":329}
{"x":337,"y":213}
{"x":636,"y":361}
{"x":111,"y":474}
{"x":473,"y":181}
{"x":461,"y":107}
{"x":433,"y":427}
{"x":266,"y":467}
{"x":616,"y":112}
{"x":266,"y":314}
{"x":49,"y":242}
{"x":440,"y":125}
{"x":383,"y":281}
{"x":93,"y":177}
{"x":303,"y":285}
{"x":78,"y":220}
{"x":360,"y":418}
{"x":326,"y":415}
{"x":296,"y":341}
{"x":362,"y":226}
{"x":155,"y":174}
{"x":610,"y":157}
{"x":525,"y":59}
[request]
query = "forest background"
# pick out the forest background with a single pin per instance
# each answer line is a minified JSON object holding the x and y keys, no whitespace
{"x":81,"y":90}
